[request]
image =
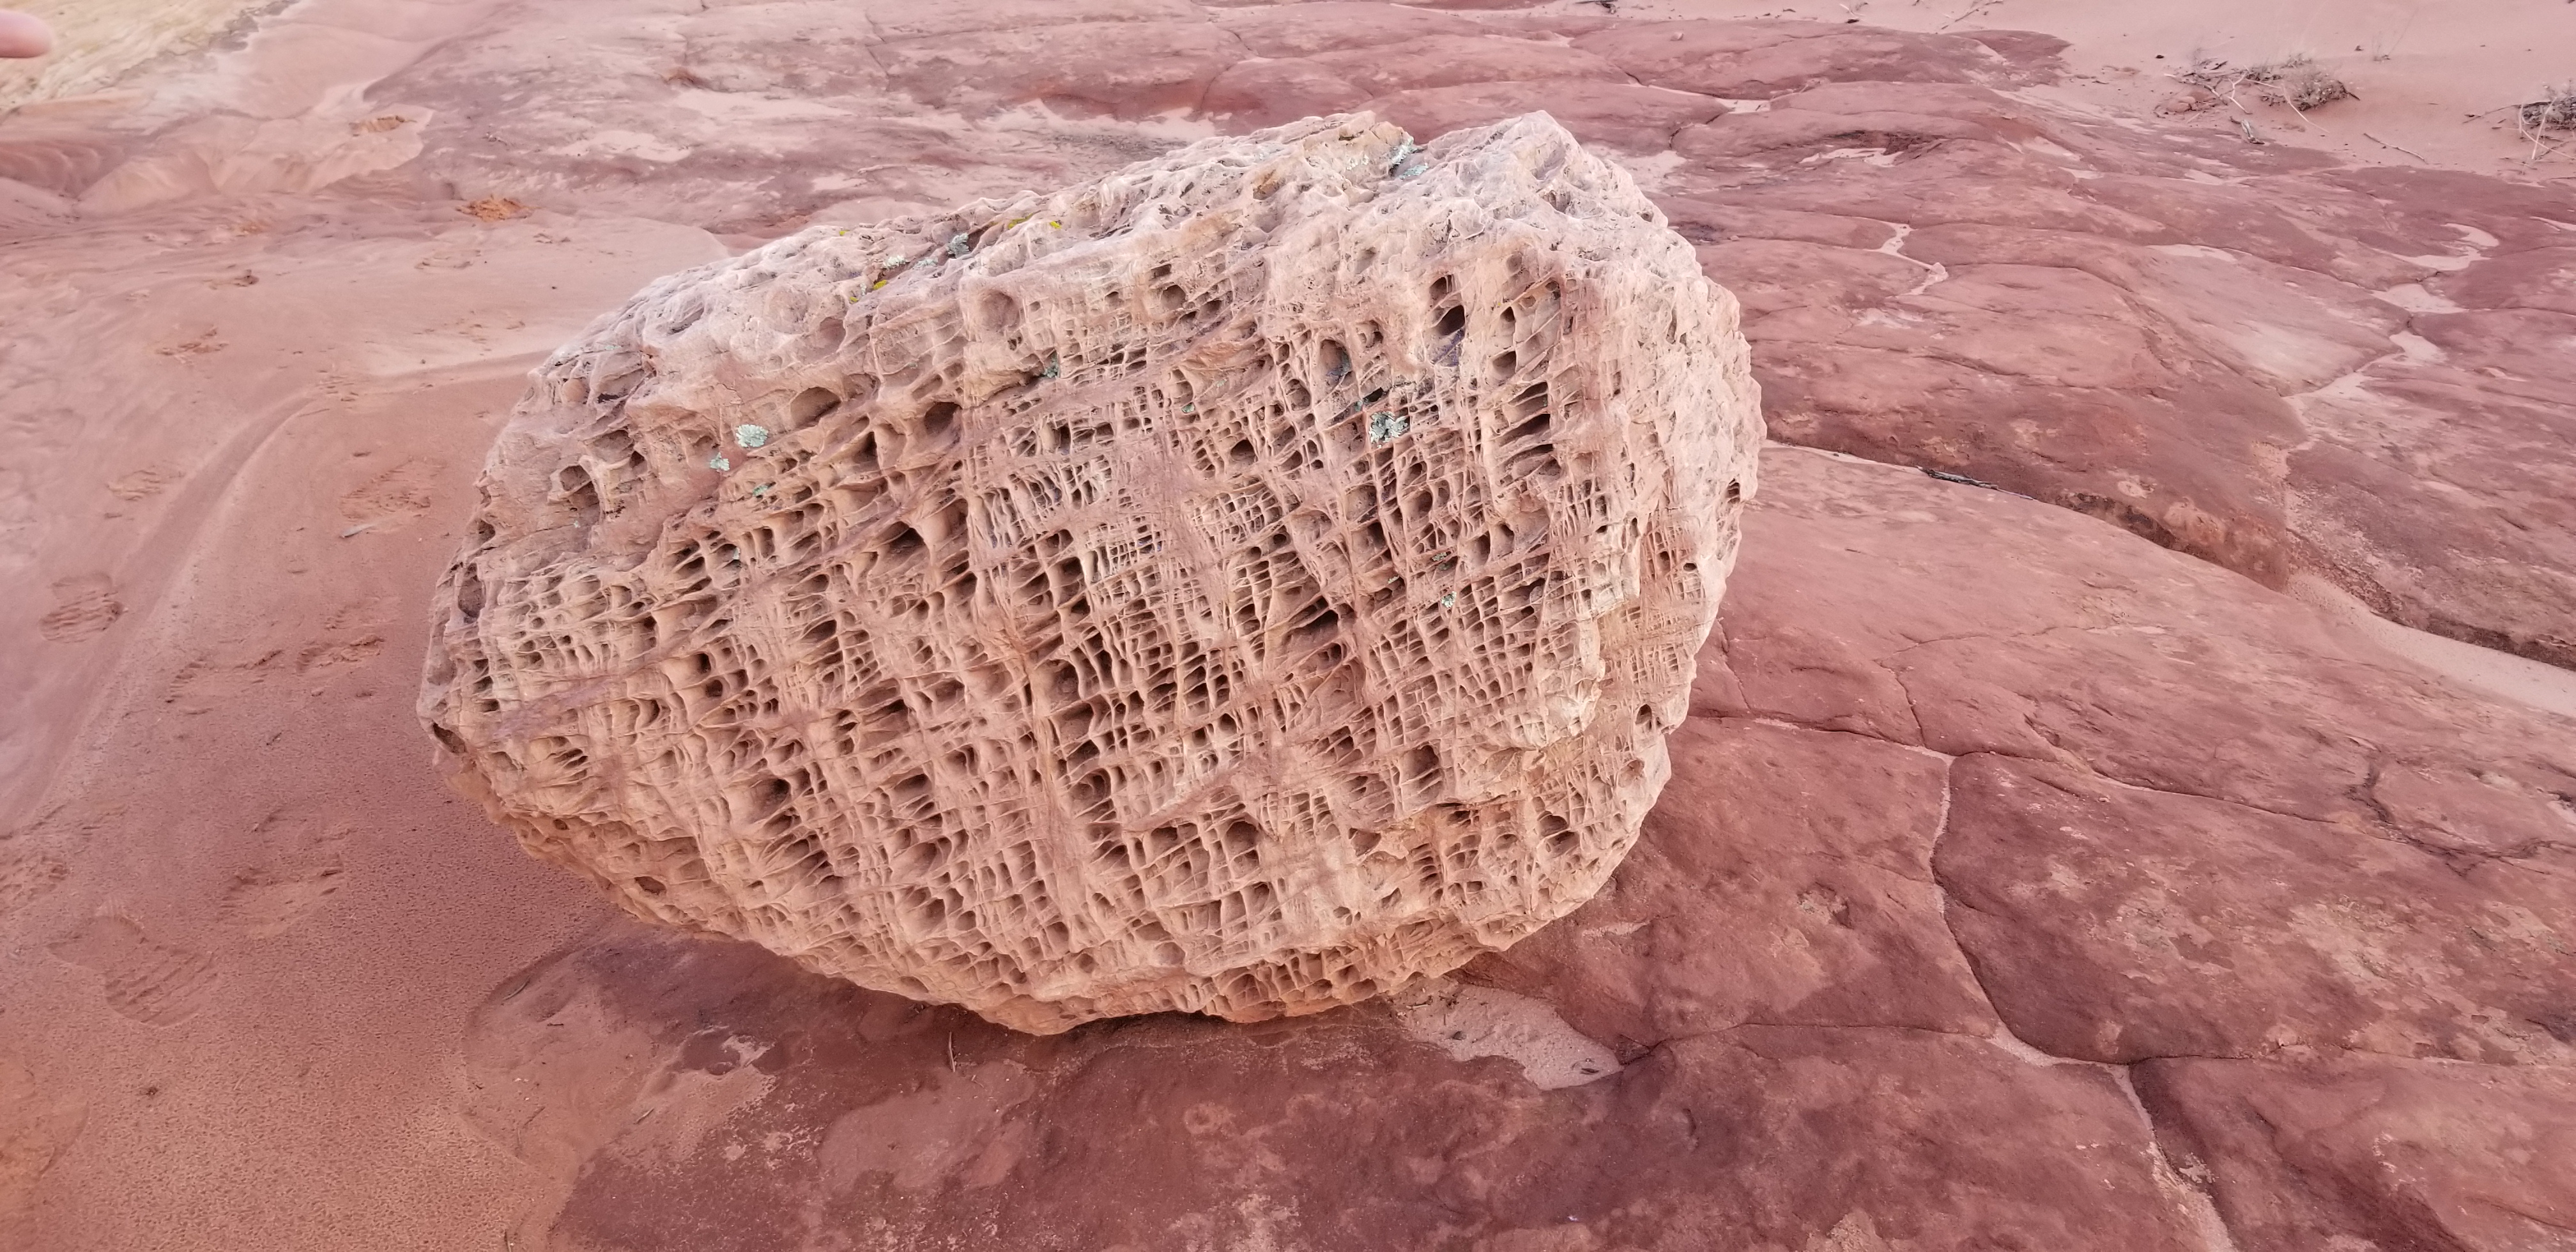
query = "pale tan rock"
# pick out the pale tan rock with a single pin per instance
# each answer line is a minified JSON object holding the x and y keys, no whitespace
{"x":1241,"y":584}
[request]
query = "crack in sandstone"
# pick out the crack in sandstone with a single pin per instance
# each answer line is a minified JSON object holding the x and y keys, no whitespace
{"x":2460,"y":861}
{"x":2067,"y":756}
{"x":2197,"y":1207}
{"x":2198,"y":1203}
{"x":1949,"y":899}
{"x":2388,"y":828}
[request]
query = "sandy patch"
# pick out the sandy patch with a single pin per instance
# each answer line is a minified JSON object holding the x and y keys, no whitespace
{"x":2432,"y":80}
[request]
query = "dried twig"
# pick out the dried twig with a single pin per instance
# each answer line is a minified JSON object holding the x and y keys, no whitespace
{"x":2393,"y":147}
{"x":1964,"y":14}
{"x":2214,"y":77}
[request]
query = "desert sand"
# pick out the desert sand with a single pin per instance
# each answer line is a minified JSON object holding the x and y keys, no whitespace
{"x":2162,"y":838}
{"x":2429,"y":79}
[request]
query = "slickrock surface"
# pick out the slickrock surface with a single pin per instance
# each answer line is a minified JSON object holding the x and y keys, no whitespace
{"x":1241,"y":584}
{"x":1836,"y":972}
{"x":2021,"y":882}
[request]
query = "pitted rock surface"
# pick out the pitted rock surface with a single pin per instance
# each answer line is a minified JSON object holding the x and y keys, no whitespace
{"x":1240,"y":584}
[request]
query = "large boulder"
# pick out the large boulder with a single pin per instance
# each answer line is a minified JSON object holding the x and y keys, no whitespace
{"x":1240,"y":584}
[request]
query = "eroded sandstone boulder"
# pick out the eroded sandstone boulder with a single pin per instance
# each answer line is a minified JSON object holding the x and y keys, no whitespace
{"x":1239,"y":584}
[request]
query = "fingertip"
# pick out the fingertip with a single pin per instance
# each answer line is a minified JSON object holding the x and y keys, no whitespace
{"x":21,"y":35}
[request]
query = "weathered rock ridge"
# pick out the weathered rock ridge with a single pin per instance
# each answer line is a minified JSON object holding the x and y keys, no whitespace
{"x":1241,"y":584}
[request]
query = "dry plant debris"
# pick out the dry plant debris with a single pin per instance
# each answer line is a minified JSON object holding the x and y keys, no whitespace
{"x":493,"y":209}
{"x":1242,"y":584}
{"x":2297,"y":81}
{"x":2555,"y":110}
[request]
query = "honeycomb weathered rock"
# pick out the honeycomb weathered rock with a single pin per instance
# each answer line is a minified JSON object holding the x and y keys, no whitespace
{"x":1239,"y":584}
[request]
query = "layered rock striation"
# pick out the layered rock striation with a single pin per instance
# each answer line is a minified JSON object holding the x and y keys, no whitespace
{"x":1239,"y":584}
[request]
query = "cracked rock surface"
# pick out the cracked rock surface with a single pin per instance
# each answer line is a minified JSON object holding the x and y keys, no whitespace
{"x":2034,"y":873}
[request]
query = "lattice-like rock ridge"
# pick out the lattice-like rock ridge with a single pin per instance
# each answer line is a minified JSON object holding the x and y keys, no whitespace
{"x":1240,"y":584}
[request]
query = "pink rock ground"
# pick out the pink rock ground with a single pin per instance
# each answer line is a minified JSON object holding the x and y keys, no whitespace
{"x":2023,"y":883}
